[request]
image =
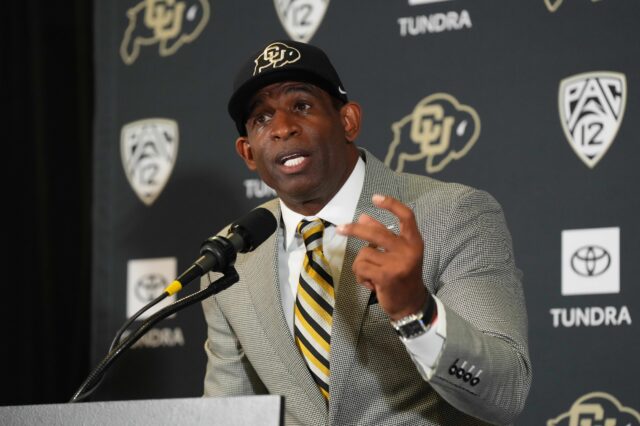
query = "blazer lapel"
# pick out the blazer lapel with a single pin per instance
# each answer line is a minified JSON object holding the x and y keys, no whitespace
{"x":265,"y":295}
{"x":352,"y":298}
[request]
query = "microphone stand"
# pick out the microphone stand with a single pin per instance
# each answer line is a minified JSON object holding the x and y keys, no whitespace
{"x":92,"y":382}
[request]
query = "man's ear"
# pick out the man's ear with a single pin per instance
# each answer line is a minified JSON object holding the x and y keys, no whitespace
{"x":351,"y":117}
{"x":243,"y":148}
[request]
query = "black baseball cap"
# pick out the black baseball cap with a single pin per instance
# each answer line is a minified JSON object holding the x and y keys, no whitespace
{"x":282,"y":60}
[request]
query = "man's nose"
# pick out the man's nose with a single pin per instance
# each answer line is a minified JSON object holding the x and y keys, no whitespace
{"x":284,"y":126}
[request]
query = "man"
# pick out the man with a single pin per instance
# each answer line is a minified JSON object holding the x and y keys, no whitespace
{"x":382,"y":298}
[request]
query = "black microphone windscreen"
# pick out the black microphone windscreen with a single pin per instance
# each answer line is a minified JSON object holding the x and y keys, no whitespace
{"x":255,"y":227}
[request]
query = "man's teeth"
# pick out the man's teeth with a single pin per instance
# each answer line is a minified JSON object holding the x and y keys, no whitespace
{"x":293,"y":161}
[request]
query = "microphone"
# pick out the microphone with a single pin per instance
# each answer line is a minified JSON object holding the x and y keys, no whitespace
{"x":219,"y":253}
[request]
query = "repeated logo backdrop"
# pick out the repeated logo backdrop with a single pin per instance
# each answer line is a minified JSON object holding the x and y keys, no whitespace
{"x":537,"y":102}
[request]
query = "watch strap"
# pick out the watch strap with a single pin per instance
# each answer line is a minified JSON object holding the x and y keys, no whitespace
{"x":415,"y":325}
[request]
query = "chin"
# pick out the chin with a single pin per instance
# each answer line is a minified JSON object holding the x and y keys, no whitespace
{"x":301,"y":193}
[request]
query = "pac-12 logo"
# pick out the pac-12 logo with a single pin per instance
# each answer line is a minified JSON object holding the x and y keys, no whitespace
{"x":149,"y":149}
{"x":591,"y":109}
{"x":168,"y":23}
{"x":597,"y":408}
{"x":439,"y":130}
{"x":301,"y":18}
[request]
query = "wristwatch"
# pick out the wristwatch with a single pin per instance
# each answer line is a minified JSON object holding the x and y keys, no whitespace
{"x":415,"y":325}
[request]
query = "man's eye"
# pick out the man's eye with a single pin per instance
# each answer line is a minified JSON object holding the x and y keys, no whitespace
{"x":302,"y":106}
{"x":260,"y":119}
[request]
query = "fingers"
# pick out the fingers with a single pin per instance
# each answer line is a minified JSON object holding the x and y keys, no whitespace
{"x":372,"y":255}
{"x":366,"y":272}
{"x":408,"y":227}
{"x":367,"y":284}
{"x":365,"y":219}
{"x":391,"y":265}
{"x":373,"y":234}
{"x":372,"y":231}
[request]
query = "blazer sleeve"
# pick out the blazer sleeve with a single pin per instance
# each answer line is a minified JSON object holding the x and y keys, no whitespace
{"x":484,"y":369}
{"x":229,"y":372}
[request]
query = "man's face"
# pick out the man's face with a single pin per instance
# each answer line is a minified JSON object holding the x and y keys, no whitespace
{"x":300,"y":143}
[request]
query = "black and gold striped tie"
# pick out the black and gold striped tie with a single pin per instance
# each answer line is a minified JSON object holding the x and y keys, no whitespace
{"x":314,"y":305}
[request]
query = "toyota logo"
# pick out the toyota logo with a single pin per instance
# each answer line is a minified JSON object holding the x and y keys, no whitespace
{"x":590,"y":261}
{"x":149,"y":287}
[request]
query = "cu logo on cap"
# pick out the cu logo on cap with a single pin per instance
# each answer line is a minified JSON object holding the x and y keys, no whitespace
{"x":590,"y":261}
{"x":276,"y":55}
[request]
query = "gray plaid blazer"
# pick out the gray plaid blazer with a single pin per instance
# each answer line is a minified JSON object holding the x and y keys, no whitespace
{"x":484,"y":371}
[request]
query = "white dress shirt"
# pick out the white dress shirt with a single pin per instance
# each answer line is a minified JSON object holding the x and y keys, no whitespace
{"x":424,"y":350}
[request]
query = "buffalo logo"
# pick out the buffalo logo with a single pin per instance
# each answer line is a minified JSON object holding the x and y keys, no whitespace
{"x":149,"y":149}
{"x":439,"y":129}
{"x":149,"y":287}
{"x":591,"y":109}
{"x":590,"y":261}
{"x":301,"y":18}
{"x":169,"y":23}
{"x":276,"y":55}
{"x":553,"y":5}
{"x":597,"y":408}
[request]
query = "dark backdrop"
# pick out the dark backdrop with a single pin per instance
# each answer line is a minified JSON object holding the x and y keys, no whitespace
{"x":507,"y":66}
{"x":47,"y":76}
{"x":493,"y":65}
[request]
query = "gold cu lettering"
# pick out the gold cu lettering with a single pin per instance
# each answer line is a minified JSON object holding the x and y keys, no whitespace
{"x":274,"y":55}
{"x":584,"y":414}
{"x":164,"y":17}
{"x":431,"y":129}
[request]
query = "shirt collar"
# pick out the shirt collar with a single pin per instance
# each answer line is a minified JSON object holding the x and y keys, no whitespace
{"x":338,"y":211}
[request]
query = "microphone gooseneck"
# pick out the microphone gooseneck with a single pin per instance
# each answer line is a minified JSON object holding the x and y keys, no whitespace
{"x":217,"y":254}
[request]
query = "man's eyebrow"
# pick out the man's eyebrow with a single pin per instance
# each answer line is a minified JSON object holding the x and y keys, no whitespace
{"x":301,"y":87}
{"x":294,"y":88}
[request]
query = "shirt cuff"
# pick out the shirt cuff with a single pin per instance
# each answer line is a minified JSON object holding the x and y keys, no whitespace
{"x":425,"y":350}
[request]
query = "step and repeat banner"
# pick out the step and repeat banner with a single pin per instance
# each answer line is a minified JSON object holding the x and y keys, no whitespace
{"x":536,"y":101}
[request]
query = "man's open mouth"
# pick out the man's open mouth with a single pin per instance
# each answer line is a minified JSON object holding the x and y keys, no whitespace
{"x":293,"y":159}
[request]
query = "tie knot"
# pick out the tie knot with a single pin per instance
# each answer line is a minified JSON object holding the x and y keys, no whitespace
{"x":311,"y":231}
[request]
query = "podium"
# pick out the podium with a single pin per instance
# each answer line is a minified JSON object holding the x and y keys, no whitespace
{"x":267,"y":410}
